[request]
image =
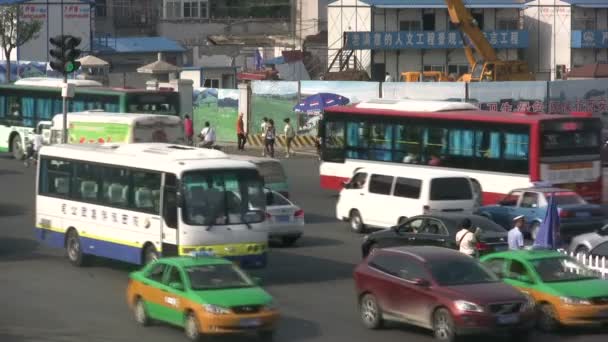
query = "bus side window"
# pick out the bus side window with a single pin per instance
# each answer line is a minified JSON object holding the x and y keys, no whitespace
{"x":170,"y":201}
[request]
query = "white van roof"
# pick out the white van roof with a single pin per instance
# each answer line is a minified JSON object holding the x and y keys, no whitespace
{"x":398,"y":171}
{"x":55,"y":82}
{"x":108,"y":117}
{"x":416,"y":105}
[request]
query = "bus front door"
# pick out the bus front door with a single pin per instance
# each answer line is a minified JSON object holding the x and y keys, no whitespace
{"x":170,"y":217}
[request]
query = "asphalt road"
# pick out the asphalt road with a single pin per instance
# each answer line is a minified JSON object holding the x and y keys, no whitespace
{"x":44,"y":298}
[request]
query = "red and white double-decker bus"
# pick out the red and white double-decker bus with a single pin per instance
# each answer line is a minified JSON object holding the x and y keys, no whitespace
{"x":500,"y":150}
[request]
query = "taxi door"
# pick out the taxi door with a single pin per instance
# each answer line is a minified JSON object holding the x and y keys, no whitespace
{"x":173,"y":295}
{"x":149,"y":290}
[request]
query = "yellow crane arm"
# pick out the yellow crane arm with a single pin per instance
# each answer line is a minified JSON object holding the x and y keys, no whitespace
{"x":461,"y":18}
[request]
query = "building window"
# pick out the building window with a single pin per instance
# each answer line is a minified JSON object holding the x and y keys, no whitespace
{"x":173,"y":9}
{"x":439,"y":68}
{"x":479,"y":19}
{"x":101,"y":8}
{"x":409,"y":25}
{"x":428,"y":22}
{"x":458,"y":69}
{"x":508,"y":24}
{"x":191,"y":9}
{"x":211,"y":83}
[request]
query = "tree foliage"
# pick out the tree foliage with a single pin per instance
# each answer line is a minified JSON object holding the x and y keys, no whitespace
{"x":15,"y":32}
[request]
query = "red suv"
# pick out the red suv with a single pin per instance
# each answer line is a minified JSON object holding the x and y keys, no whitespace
{"x":439,"y":289}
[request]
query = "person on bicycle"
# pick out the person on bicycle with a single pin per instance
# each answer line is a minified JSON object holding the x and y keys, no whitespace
{"x":34,"y":146}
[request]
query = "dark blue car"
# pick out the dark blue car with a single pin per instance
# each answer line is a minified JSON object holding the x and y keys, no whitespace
{"x":576,"y":215}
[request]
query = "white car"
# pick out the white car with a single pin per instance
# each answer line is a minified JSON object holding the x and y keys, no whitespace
{"x":284,"y":218}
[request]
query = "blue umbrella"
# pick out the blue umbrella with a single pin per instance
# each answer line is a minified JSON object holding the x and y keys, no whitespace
{"x":318,"y":102}
{"x":548,"y":232}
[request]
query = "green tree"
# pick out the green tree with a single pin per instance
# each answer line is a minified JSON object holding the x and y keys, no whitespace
{"x":15,"y":32}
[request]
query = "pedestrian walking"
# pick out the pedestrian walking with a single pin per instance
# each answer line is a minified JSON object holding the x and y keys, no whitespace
{"x":241,"y":134}
{"x":188,"y":130}
{"x":289,"y":134}
{"x":466,"y":238}
{"x":515,"y":236}
{"x":269,"y":138}
{"x":207,"y":136}
{"x":263,"y":130}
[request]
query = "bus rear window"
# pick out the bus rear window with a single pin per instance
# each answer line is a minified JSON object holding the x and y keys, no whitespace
{"x":153,"y":104}
{"x":571,"y":137}
{"x":450,"y":189}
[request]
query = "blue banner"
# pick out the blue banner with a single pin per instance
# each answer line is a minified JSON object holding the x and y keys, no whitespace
{"x":430,"y":40}
{"x":589,"y":39}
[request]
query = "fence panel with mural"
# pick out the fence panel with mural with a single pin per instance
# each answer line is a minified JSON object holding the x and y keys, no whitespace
{"x":219,"y":107}
{"x":443,"y":91}
{"x":509,"y":96}
{"x":273,"y":100}
{"x":566,"y":97}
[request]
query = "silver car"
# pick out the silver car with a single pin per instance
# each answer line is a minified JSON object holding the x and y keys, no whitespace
{"x":285,"y":219}
{"x":595,"y":243}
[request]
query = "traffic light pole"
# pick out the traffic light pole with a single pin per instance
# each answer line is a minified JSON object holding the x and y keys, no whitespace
{"x":64,"y":133}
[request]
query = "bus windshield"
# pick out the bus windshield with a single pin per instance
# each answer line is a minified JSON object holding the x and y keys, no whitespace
{"x":221,"y":197}
{"x":153,"y":104}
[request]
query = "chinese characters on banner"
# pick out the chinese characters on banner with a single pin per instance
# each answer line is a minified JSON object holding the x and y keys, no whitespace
{"x":102,"y":215}
{"x":76,"y":11}
{"x":429,"y":40}
{"x":33,"y":12}
{"x":509,"y":96}
{"x":589,"y":39}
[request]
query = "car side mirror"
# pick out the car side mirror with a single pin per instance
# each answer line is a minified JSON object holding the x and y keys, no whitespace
{"x":422,"y":282}
{"x":177,"y":286}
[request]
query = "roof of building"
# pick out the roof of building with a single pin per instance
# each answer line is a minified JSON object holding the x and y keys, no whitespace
{"x":255,"y":40}
{"x":92,"y":61}
{"x":13,"y":2}
{"x":596,"y":70}
{"x":136,"y":45}
{"x":158,"y":67}
{"x":588,"y":3}
{"x":442,"y":4}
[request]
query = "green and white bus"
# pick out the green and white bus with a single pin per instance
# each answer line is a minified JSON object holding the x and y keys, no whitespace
{"x":24,"y":104}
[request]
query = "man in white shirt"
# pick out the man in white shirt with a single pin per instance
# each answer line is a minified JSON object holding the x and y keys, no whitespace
{"x":466,"y":238}
{"x":515,"y":236}
{"x":207,"y":135}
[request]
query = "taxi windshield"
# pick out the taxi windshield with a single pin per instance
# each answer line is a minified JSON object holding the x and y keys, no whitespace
{"x":216,"y":277}
{"x":559,"y":269}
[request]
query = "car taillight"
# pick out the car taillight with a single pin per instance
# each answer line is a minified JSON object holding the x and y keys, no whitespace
{"x":299,"y":213}
{"x":565,"y":213}
{"x":426,"y":209}
{"x":480,"y":246}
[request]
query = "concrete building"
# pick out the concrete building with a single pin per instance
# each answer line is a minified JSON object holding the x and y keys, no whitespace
{"x":417,"y":35}
{"x":120,"y":18}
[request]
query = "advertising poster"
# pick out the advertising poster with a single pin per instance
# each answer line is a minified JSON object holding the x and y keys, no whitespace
{"x":439,"y":91}
{"x":354,"y":91}
{"x":509,"y":96}
{"x":273,"y":100}
{"x":219,"y":107}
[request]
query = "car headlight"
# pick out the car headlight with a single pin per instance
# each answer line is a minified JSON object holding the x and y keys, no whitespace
{"x":530,"y":303}
{"x":574,"y":301}
{"x":272,"y":305}
{"x":465,"y":306}
{"x":216,"y":309}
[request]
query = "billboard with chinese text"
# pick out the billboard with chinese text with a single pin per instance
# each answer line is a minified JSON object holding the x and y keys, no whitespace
{"x":509,"y":96}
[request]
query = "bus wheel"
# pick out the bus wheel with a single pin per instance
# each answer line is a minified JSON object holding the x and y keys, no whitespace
{"x":74,"y":249}
{"x":150,"y":254}
{"x":17,"y":147}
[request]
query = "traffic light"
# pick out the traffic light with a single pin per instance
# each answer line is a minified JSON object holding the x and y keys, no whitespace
{"x":64,"y":53}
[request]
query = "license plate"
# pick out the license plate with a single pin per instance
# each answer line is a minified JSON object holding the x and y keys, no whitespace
{"x":583,"y":214}
{"x":508,"y":319}
{"x":250,"y":322}
{"x":282,"y":218}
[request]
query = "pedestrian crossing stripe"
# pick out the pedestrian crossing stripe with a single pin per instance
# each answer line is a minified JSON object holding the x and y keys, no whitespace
{"x":298,"y":141}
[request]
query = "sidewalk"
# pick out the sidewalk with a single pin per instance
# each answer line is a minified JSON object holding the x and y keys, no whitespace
{"x":279,"y":152}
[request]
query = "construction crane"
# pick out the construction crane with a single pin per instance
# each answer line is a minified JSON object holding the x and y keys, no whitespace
{"x":489,"y":67}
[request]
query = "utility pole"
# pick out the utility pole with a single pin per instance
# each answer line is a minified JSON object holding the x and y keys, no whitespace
{"x":64,"y":53}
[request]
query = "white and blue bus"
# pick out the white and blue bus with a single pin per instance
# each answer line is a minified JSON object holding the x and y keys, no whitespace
{"x":136,"y":202}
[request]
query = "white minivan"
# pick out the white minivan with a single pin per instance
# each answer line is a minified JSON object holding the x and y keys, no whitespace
{"x":385,"y":197}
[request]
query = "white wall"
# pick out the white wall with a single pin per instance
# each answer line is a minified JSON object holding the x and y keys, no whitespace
{"x":548,"y":23}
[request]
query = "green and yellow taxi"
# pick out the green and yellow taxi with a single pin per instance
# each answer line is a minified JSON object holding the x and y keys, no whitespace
{"x":205,"y":295}
{"x":565,"y":291}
